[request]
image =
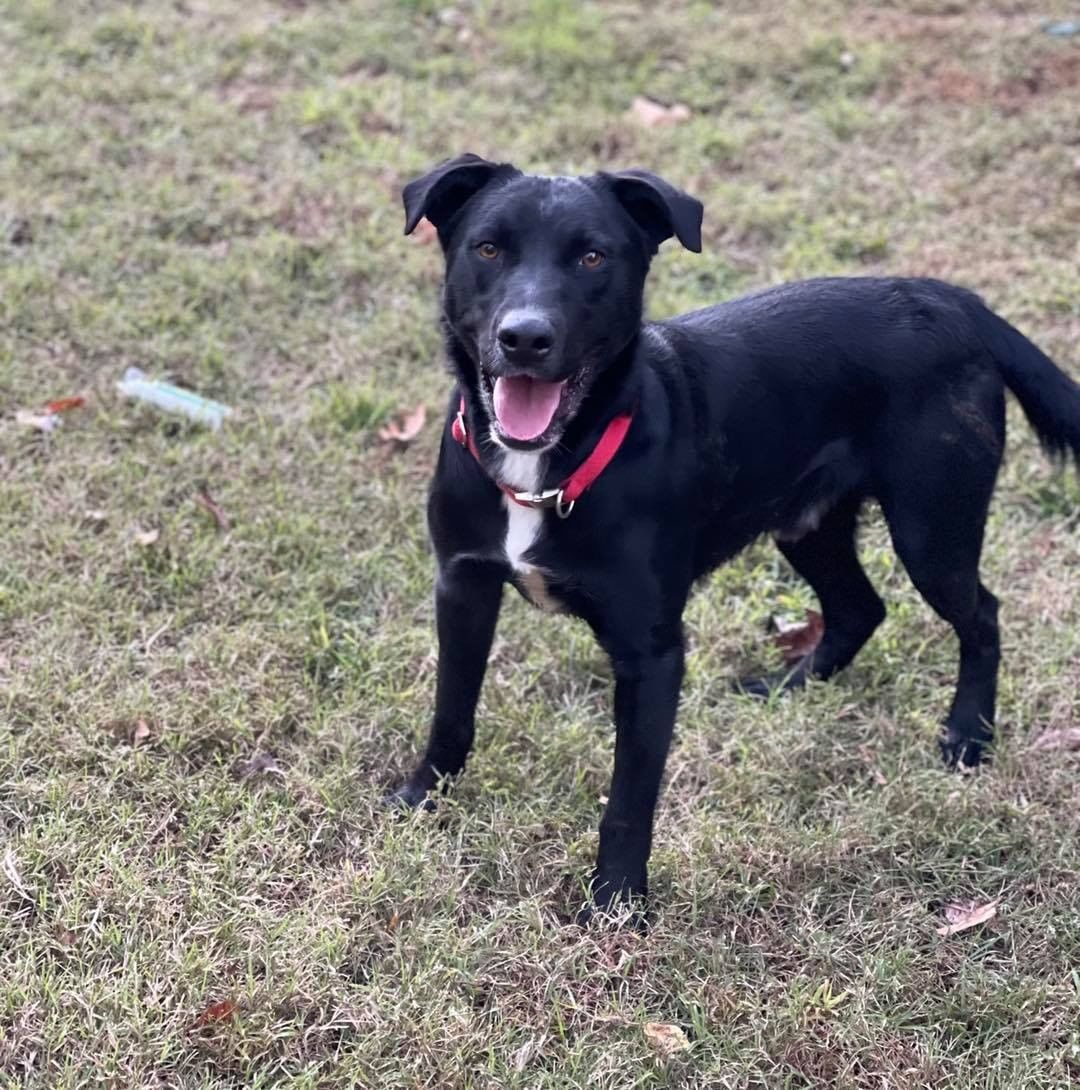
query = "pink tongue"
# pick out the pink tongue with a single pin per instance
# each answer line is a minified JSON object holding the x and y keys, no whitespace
{"x":524,"y":406}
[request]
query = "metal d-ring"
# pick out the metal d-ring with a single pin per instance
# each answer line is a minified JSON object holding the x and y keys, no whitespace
{"x":563,"y":511}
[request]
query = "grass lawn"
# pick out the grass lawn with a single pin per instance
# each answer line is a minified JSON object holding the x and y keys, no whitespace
{"x":197,"y":886}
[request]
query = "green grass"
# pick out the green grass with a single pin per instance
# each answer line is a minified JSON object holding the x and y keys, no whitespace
{"x":210,"y":191}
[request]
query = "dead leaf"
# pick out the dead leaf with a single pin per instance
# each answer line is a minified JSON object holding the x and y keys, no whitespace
{"x":44,"y":422}
{"x":869,"y":757}
{"x":213,"y":509}
{"x":665,"y":1039}
{"x":425,"y":232}
{"x":146,"y":538}
{"x":964,"y":914}
{"x":1067,"y":738}
{"x":373,"y":121}
{"x":797,"y":639}
{"x":64,"y":935}
{"x":651,"y":114}
{"x":65,"y":404}
{"x":261,"y":762}
{"x":216,"y":1012}
{"x":405,"y":427}
{"x":393,"y":922}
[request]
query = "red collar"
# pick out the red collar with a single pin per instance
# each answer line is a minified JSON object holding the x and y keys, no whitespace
{"x":569,"y":492}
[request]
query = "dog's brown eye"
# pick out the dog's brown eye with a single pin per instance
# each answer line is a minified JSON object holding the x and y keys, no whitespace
{"x":488,"y":250}
{"x":593,"y":259}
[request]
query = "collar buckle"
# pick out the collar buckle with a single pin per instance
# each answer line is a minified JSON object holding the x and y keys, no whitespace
{"x":549,"y":498}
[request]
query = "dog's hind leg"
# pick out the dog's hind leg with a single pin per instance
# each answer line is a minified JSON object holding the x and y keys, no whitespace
{"x":940,"y":551}
{"x":851,"y":609}
{"x":970,"y":723}
{"x":935,"y":496}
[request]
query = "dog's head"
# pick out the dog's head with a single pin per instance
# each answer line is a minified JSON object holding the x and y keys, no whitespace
{"x":544,"y":279}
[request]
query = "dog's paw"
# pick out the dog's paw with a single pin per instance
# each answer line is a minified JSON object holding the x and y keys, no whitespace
{"x":757,"y":687}
{"x":767,"y":685}
{"x":409,"y":796}
{"x":614,"y":904}
{"x":962,"y":753}
{"x":635,"y":917}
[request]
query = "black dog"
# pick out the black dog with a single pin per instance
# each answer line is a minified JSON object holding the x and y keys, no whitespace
{"x":602,"y":464}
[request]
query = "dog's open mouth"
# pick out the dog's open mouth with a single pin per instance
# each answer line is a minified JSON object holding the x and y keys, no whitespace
{"x":526,"y":408}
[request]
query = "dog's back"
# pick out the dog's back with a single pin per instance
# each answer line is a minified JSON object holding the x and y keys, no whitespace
{"x":817,"y":386}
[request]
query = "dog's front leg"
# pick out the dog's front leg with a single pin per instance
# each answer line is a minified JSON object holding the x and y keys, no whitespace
{"x":646,"y":700}
{"x":467,"y":599}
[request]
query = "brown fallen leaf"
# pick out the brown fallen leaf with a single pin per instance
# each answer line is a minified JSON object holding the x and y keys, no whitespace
{"x":65,"y":404}
{"x":260,"y":763}
{"x":216,"y":1012}
{"x":146,"y":538}
{"x":651,"y":114}
{"x":1065,"y":738}
{"x":373,"y":121}
{"x":213,"y":509}
{"x":798,"y":638}
{"x":132,"y":731}
{"x":64,"y":935}
{"x":964,"y":914}
{"x":665,"y":1039}
{"x":425,"y":232}
{"x":405,"y":427}
{"x":870,"y":758}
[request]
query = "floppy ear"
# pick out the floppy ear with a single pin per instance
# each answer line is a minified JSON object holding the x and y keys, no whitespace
{"x":658,"y":208}
{"x":441,"y":192}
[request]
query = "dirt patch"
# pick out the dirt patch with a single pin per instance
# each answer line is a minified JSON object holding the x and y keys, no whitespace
{"x":250,"y":96}
{"x":1048,"y":75}
{"x":953,"y":58}
{"x":309,"y":216}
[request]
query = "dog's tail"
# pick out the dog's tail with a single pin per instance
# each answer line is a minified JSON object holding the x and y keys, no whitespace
{"x":1049,"y":397}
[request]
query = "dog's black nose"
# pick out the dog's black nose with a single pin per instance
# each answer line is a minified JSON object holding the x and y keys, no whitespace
{"x":526,"y":336}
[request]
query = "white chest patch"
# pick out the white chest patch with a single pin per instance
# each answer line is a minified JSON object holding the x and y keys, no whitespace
{"x":524,"y":473}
